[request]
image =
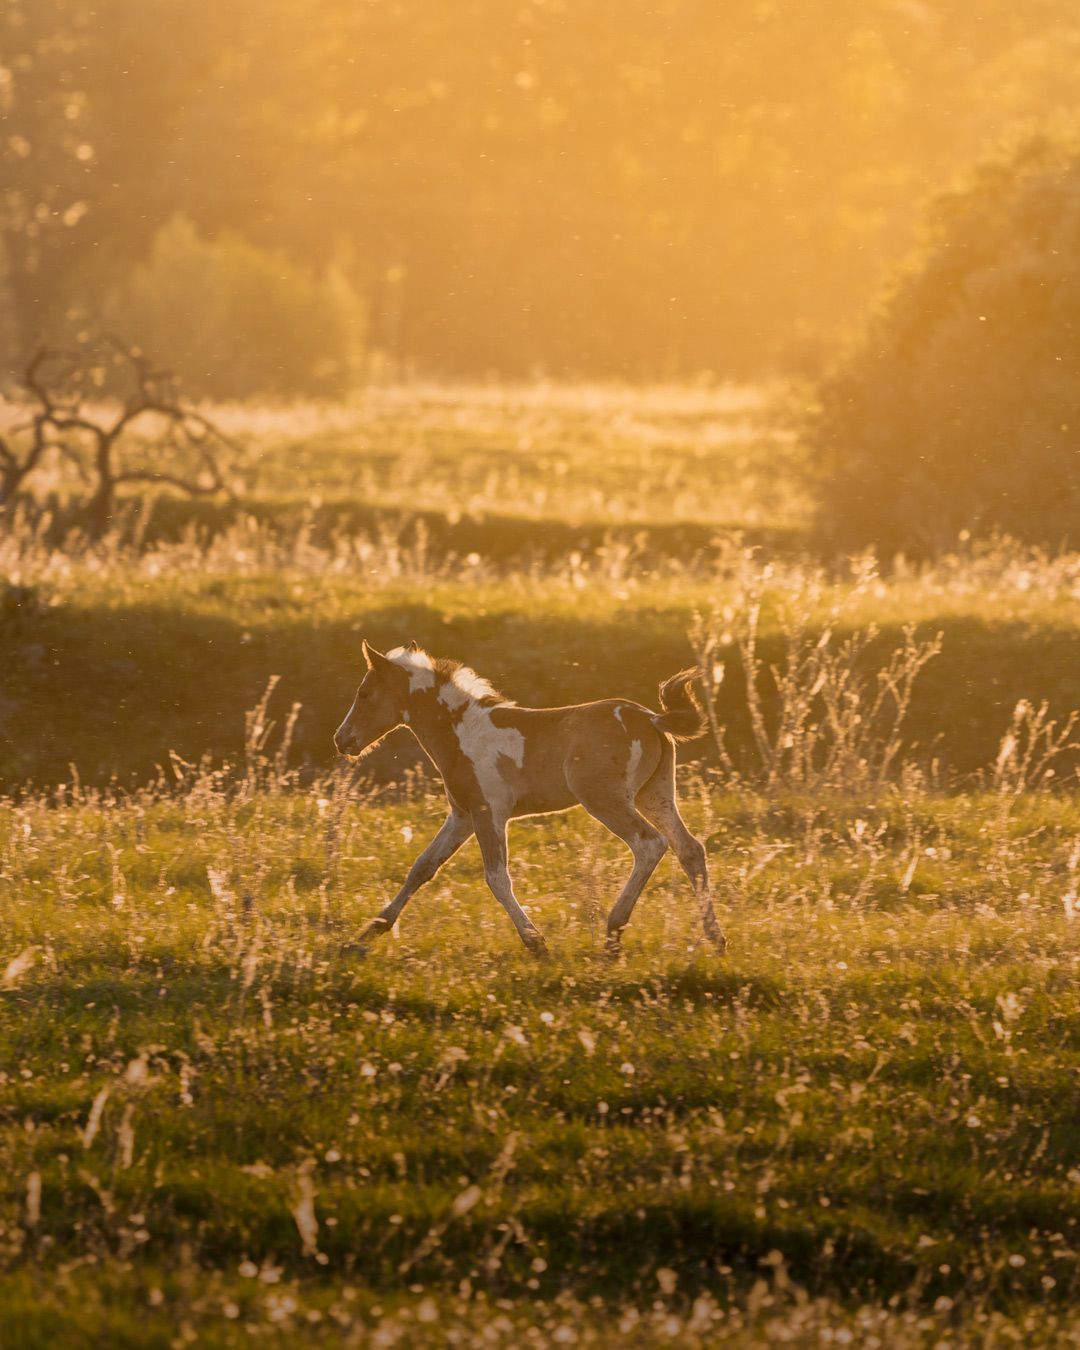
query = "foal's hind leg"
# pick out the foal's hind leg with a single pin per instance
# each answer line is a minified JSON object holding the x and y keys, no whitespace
{"x":646,"y":844}
{"x":657,"y":801}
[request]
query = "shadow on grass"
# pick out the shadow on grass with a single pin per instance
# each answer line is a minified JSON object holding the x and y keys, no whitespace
{"x":613,"y":1247}
{"x":113,"y":689}
{"x":503,"y":540}
{"x":709,"y":981}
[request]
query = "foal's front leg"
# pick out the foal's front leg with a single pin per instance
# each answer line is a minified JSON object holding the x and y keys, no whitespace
{"x":491,"y":836}
{"x":456,"y":830}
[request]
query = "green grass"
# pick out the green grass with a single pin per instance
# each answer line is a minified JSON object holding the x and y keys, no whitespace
{"x":859,"y":1127}
{"x":882,"y":1092}
{"x":545,"y":455}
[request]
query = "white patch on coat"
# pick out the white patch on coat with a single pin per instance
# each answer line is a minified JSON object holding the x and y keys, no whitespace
{"x":453,"y":695}
{"x":418,"y":664}
{"x":635,"y":763}
{"x":484,"y":745}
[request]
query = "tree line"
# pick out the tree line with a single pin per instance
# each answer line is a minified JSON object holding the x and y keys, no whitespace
{"x":282,"y":190}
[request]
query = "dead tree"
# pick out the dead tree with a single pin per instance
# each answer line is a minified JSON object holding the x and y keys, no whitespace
{"x":63,"y":384}
{"x":17,"y":462}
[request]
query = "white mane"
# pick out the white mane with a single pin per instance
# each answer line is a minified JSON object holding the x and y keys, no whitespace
{"x":419,"y":665}
{"x":461,"y":687}
{"x":465,"y":686}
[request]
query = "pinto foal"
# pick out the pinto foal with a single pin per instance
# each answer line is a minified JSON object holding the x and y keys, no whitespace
{"x":498,"y":761}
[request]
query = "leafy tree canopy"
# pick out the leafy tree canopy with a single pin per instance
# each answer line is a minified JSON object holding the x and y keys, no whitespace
{"x":584,"y":187}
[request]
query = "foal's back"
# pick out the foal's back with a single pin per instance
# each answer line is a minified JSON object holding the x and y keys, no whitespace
{"x":610,"y":747}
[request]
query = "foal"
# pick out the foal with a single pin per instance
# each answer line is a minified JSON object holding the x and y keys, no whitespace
{"x":498,"y":761}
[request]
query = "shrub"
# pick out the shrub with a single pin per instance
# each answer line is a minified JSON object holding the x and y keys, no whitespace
{"x":959,"y":408}
{"x":232,"y":320}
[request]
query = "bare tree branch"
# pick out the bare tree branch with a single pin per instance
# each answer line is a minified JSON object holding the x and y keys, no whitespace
{"x":62,"y":381}
{"x":172,"y":480}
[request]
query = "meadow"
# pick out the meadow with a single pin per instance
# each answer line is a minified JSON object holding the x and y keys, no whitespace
{"x":219,"y":1127}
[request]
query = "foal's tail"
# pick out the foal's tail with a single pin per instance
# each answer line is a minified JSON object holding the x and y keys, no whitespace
{"x":683,"y":718}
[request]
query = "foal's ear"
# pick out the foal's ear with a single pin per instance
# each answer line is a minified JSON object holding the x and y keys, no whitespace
{"x":371,"y":655}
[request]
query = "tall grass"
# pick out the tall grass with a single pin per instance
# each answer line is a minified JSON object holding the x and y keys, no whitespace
{"x":219,"y":1127}
{"x":829,"y":714}
{"x":862,"y":1123}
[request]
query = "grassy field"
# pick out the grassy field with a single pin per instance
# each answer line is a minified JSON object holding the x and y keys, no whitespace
{"x":862,"y":1126}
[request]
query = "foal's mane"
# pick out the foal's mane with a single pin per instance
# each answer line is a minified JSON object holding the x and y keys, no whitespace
{"x":479,"y":690}
{"x":443,"y":673}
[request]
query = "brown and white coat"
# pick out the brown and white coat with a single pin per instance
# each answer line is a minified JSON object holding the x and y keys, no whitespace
{"x":499,"y":761}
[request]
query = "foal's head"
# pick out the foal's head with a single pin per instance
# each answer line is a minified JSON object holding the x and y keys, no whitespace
{"x":381,"y":702}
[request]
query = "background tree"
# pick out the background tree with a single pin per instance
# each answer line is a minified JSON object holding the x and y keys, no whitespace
{"x":179,"y":447}
{"x":960,"y":407}
{"x":582,"y":189}
{"x":239,"y":320}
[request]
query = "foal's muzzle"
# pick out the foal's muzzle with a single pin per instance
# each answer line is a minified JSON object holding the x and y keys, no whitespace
{"x":345,"y":743}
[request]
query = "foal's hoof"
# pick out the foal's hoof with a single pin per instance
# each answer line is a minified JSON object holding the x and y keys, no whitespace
{"x":363,"y":940}
{"x":535,"y":945}
{"x":356,"y":948}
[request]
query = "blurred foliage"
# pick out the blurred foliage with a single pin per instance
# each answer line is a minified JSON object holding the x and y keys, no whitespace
{"x":238,"y":320}
{"x":960,"y":408}
{"x":576,"y":189}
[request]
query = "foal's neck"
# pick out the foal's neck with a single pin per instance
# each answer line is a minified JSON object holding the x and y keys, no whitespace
{"x":433,"y":725}
{"x":437,"y":722}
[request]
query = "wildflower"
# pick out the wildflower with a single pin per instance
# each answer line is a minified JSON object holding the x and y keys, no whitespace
{"x":667,"y":1279}
{"x":466,"y":1200}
